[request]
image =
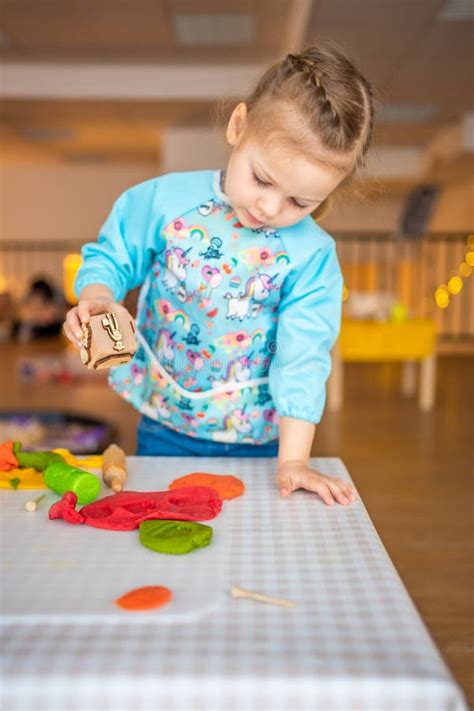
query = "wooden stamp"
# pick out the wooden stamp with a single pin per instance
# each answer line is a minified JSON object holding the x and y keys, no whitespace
{"x":108,"y":340}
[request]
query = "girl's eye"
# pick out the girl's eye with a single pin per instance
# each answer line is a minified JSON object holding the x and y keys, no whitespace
{"x":297,"y":204}
{"x":258,"y":180}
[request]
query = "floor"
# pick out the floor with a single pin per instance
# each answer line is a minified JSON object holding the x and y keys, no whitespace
{"x":414,"y":472}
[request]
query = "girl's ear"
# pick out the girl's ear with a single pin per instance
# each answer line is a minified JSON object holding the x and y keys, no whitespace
{"x":237,"y":124}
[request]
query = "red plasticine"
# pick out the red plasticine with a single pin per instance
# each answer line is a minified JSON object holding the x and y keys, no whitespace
{"x":126,"y":510}
{"x":66,"y":509}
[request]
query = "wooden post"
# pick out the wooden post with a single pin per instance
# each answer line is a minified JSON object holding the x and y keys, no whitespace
{"x":427,"y":383}
{"x":408,"y":378}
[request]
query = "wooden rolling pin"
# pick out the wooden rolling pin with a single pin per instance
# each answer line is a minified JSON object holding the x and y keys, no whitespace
{"x":114,"y":468}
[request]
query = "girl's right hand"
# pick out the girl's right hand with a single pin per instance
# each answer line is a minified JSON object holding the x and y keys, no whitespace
{"x":83,"y":311}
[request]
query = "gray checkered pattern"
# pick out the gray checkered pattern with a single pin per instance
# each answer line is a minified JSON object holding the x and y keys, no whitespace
{"x":354,"y":641}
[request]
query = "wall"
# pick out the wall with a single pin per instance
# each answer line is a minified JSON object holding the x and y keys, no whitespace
{"x":61,"y":201}
{"x":380,"y":215}
{"x":455,"y":208}
{"x":72,"y":201}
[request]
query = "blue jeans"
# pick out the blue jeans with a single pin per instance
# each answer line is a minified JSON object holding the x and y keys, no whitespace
{"x":154,"y":440}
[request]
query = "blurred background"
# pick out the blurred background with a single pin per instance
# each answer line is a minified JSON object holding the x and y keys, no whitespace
{"x":98,"y":95}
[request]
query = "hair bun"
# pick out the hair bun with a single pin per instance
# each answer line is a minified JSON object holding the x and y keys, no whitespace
{"x":307,"y":66}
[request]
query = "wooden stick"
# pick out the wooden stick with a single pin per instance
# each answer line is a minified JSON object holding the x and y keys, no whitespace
{"x":33,"y":505}
{"x":114,"y":468}
{"x":240,"y":592}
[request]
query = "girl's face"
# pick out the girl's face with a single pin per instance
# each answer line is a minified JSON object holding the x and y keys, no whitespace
{"x":270,"y":187}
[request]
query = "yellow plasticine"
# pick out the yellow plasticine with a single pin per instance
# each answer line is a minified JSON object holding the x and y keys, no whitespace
{"x":29,"y":479}
{"x":33,"y":479}
{"x":92,"y":461}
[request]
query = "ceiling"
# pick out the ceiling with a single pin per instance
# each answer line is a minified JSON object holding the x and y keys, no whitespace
{"x":412,"y":57}
{"x":138,"y":30}
{"x":415,"y":60}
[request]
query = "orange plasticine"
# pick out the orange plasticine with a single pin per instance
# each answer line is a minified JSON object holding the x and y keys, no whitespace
{"x":7,"y":458}
{"x":147,"y":598}
{"x":227,"y":486}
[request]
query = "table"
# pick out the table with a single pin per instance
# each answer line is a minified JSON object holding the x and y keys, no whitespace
{"x":354,"y":641}
{"x":410,"y":341}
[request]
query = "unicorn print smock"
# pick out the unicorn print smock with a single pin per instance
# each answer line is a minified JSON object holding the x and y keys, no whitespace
{"x":235,"y":325}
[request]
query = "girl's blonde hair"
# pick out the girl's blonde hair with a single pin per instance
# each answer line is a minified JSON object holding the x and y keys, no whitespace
{"x":324,"y":101}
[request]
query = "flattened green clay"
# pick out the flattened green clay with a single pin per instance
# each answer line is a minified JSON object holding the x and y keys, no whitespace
{"x":175,"y":537}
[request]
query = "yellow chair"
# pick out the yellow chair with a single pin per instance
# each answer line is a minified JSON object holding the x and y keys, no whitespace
{"x":374,"y":342}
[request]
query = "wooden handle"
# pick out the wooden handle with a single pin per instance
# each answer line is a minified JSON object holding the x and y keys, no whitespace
{"x":114,"y":468}
{"x":33,"y":505}
{"x":240,"y":592}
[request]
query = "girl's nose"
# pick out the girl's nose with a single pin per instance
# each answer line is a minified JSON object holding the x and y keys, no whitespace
{"x":269,"y":206}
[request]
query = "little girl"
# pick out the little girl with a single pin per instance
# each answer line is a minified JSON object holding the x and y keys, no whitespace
{"x":241,"y":298}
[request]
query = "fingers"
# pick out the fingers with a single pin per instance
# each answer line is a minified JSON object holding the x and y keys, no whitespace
{"x":343,"y":492}
{"x":285,"y":485}
{"x":330,"y":489}
{"x":91,"y":307}
{"x":83,"y":311}
{"x":78,"y":315}
{"x":320,"y":487}
{"x":310,"y":481}
{"x":70,"y":335}
{"x":72,"y":327}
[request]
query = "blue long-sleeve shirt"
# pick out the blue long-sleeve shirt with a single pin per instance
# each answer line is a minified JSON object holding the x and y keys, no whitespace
{"x":235,"y":324}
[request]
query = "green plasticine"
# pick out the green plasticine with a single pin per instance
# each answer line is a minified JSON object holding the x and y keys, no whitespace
{"x":36,"y":460}
{"x":15,"y":482}
{"x":174,"y":537}
{"x":62,"y":477}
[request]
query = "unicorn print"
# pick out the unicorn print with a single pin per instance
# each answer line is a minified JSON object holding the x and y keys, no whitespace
{"x":257,"y":289}
{"x":160,"y":404}
{"x":176,"y":263}
{"x":263,"y":286}
{"x":157,"y":405}
{"x":237,"y":371}
{"x":238,"y":422}
{"x":165,"y":346}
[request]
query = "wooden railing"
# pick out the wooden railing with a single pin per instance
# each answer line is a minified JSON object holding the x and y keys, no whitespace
{"x":411,"y":270}
{"x":22,"y":261}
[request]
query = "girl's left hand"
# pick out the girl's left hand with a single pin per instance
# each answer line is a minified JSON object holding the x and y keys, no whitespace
{"x":296,"y":474}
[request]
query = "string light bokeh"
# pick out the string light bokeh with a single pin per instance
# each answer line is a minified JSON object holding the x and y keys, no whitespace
{"x":455,"y":283}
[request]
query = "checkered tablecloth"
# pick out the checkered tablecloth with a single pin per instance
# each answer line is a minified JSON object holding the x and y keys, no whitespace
{"x":354,"y":640}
